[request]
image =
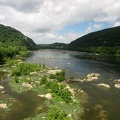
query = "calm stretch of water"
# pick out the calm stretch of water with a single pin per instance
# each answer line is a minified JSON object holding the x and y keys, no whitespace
{"x":78,"y":65}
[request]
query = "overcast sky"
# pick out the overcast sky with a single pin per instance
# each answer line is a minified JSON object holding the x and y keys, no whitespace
{"x":49,"y":21}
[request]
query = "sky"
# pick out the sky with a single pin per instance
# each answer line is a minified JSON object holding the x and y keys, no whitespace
{"x":50,"y":21}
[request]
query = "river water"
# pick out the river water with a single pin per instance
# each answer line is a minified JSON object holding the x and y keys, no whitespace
{"x":102,"y":103}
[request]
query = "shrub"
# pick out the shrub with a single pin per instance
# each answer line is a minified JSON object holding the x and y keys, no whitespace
{"x":52,"y":76}
{"x":65,"y":95}
{"x":23,"y":53}
{"x":72,"y":77}
{"x":11,"y":62}
{"x":56,"y":114}
{"x":25,"y":69}
{"x":54,"y":87}
{"x":43,"y":80}
{"x":16,"y":79}
{"x":60,"y":76}
{"x":60,"y":92}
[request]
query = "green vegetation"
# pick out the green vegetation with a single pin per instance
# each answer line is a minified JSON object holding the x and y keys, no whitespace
{"x":106,"y":41}
{"x":56,"y":114}
{"x":25,"y":69}
{"x":60,"y":92}
{"x":60,"y":76}
{"x":53,"y":46}
{"x":13,"y":42}
{"x":10,"y":35}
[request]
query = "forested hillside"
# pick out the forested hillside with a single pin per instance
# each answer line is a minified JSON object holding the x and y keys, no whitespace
{"x":13,"y":42}
{"x":10,"y":35}
{"x":104,"y":41}
{"x":53,"y":46}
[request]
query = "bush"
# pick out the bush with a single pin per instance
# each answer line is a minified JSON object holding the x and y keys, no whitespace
{"x":23,"y":53}
{"x":56,"y":114}
{"x":54,"y":87}
{"x":52,"y":76}
{"x":16,"y":79}
{"x":60,"y":76}
{"x":11,"y":62}
{"x":65,"y":95}
{"x":25,"y":69}
{"x":43,"y":80}
{"x":59,"y":91}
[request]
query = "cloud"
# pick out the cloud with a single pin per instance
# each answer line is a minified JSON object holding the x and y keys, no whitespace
{"x":93,"y":27}
{"x":55,"y":37}
{"x":117,"y":24}
{"x":23,"y":5}
{"x":40,"y":19}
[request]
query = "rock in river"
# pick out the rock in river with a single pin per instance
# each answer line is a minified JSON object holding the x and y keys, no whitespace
{"x":1,"y":87}
{"x":117,"y":86}
{"x":103,"y":85}
{"x":3,"y":92}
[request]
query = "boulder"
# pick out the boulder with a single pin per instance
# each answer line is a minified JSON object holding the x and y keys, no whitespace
{"x":27,"y":85}
{"x":53,"y":71}
{"x":41,"y":95}
{"x":3,"y":105}
{"x":92,"y":76}
{"x":3,"y":92}
{"x":103,"y":85}
{"x":117,"y":86}
{"x":1,"y":87}
{"x":69,"y":115}
{"x":48,"y":96}
{"x":118,"y":80}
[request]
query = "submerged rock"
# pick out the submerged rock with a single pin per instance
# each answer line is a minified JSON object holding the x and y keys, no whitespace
{"x":77,"y":80}
{"x":103,"y":85}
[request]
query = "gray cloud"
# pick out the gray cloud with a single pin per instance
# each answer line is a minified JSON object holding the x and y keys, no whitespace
{"x":39,"y":19}
{"x":23,"y":5}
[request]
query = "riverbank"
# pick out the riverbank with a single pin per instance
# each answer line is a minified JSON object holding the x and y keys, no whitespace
{"x":49,"y":84}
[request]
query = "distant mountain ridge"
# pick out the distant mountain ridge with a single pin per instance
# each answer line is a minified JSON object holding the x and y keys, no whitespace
{"x":108,"y":37}
{"x":11,"y":35}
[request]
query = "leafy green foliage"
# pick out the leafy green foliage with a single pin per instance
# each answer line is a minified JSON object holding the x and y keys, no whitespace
{"x":52,"y":46}
{"x":25,"y":69}
{"x":13,"y":42}
{"x":59,"y":91}
{"x":106,"y":41}
{"x":59,"y":76}
{"x":118,"y":52}
{"x":43,"y":80}
{"x":56,"y":114}
{"x":11,"y":35}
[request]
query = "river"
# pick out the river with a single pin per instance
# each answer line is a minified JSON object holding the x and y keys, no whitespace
{"x":102,"y":103}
